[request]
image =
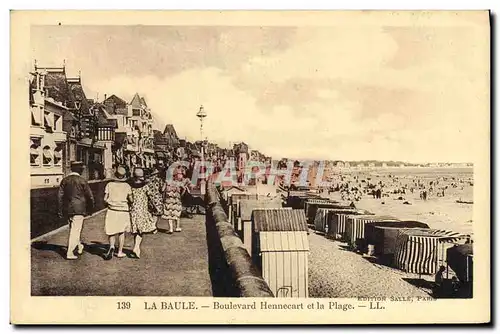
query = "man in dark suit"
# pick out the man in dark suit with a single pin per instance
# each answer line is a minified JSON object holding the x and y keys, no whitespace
{"x":75,"y":201}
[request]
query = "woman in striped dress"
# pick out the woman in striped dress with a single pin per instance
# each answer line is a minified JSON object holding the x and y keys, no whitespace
{"x":172,"y":202}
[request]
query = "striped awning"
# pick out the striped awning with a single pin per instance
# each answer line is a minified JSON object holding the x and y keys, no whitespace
{"x":34,"y":151}
{"x":417,"y":250}
{"x":337,"y":219}
{"x":355,"y":226}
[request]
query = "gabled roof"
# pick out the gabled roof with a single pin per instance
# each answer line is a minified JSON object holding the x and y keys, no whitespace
{"x":115,"y":105}
{"x":143,"y":101}
{"x":57,"y":87}
{"x":76,"y":88}
{"x":102,"y":116}
{"x":170,"y":135}
{"x":136,"y":101}
{"x":116,"y":101}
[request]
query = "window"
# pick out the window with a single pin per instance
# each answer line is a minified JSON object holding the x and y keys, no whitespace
{"x":57,"y":123}
{"x":35,"y":152}
{"x":34,"y":156}
{"x":49,"y":121}
{"x":47,"y":156}
{"x":58,"y":155}
{"x":36,"y":116}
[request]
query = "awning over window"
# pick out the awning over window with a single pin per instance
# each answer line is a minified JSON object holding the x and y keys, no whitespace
{"x":36,"y":114}
{"x":49,"y":119}
{"x":160,"y":155}
{"x":58,"y":154}
{"x":47,"y":154}
{"x":34,"y":151}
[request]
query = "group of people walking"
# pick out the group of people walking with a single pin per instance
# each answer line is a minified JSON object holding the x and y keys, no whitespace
{"x":134,"y":205}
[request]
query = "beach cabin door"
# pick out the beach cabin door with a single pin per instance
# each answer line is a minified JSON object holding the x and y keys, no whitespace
{"x":285,"y":262}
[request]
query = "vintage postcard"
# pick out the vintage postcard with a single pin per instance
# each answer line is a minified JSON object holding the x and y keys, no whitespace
{"x":250,"y":167}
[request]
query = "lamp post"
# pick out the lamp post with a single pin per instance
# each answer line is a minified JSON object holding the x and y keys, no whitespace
{"x":201,"y":115}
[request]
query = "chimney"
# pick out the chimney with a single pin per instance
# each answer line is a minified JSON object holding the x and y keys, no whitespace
{"x":105,"y":97}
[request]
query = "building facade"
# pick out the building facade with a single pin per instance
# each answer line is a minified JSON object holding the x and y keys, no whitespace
{"x":47,"y":136}
{"x":133,"y":145}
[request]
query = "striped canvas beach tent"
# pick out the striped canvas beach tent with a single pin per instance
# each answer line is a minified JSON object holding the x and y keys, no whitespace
{"x":384,"y":237}
{"x":337,"y":228}
{"x":297,"y":199}
{"x":324,"y":216}
{"x":320,"y":221}
{"x":420,"y":251}
{"x":312,"y":205}
{"x":355,"y":227}
{"x":460,"y":259}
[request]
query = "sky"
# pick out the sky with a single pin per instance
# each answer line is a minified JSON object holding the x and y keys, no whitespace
{"x":407,"y":93}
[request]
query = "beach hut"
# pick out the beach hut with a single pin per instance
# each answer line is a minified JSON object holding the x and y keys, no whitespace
{"x":355,"y":228}
{"x":282,"y":250}
{"x":336,"y":229}
{"x":297,"y":199}
{"x":234,"y":204}
{"x":244,"y":221}
{"x":460,"y":259}
{"x":228,"y":192}
{"x":421,"y":251}
{"x":312,"y":205}
{"x":383,"y":238}
{"x":323,"y":219}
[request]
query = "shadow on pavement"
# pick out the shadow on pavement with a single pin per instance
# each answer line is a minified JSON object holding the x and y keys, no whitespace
{"x":43,"y":245}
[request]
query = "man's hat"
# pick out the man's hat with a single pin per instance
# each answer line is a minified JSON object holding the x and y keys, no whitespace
{"x":120,"y":173}
{"x":76,"y":164}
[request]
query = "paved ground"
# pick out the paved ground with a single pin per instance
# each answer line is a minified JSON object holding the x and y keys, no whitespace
{"x":170,"y":265}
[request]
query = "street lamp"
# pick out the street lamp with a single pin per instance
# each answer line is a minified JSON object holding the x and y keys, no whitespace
{"x":201,"y":115}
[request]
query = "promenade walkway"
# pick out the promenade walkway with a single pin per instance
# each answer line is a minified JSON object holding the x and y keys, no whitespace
{"x":170,"y":264}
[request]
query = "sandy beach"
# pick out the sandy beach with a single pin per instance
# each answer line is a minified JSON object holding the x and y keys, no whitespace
{"x":337,"y":272}
{"x":438,"y":212}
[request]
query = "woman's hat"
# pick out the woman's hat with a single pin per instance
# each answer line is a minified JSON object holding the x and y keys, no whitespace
{"x":120,"y":173}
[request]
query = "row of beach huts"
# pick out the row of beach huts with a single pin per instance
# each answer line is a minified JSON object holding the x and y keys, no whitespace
{"x":274,"y":227}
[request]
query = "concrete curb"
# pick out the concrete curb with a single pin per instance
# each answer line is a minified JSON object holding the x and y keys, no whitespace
{"x":62,"y":228}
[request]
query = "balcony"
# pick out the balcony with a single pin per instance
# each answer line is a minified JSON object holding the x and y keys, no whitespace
{"x":37,"y":131}
{"x":59,"y":136}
